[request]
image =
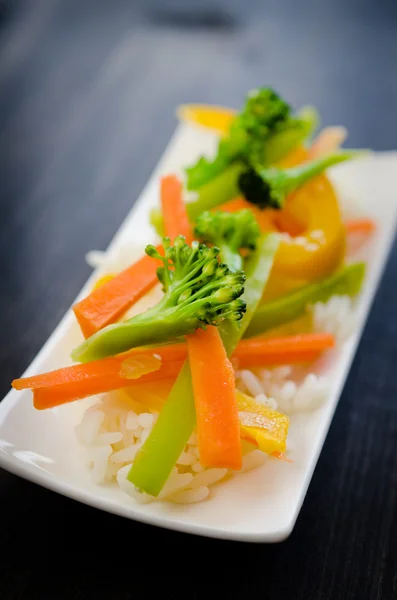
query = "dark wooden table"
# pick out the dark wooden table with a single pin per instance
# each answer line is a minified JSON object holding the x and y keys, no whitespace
{"x":87,"y":97}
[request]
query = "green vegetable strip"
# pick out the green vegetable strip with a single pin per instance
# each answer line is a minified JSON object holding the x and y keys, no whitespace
{"x":257,"y":270}
{"x":348,"y":282}
{"x":156,"y":221}
{"x":278,"y":146}
{"x":177,"y":419}
{"x":168,"y":438}
{"x":219,"y":190}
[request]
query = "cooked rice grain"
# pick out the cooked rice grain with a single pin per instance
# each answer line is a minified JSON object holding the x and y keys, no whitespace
{"x":335,"y":316}
{"x":111,"y":454}
{"x":190,"y":496}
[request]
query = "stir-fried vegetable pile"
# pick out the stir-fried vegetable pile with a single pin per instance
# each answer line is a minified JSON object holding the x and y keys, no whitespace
{"x":274,"y":246}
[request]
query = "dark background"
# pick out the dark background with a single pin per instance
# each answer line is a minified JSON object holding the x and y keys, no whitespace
{"x":87,"y":97}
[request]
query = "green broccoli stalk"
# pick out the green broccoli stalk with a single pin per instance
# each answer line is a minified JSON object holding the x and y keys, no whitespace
{"x":261,"y":133}
{"x":269,"y":187}
{"x":198,"y":291}
{"x":230,"y":232}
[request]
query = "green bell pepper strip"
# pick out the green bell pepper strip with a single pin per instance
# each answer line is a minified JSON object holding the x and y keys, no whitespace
{"x":177,"y":419}
{"x":347,"y":281}
{"x":219,"y":190}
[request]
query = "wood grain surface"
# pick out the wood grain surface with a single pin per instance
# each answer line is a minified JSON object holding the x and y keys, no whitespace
{"x":87,"y":96}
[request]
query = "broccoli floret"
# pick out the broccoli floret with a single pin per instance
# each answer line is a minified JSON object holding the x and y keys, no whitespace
{"x":268,"y":188}
{"x":198,"y":291}
{"x":261,"y":133}
{"x":230,"y":232}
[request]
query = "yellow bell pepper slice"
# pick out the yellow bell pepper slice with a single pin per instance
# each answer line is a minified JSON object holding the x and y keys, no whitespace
{"x":102,"y":280}
{"x":265,"y":428}
{"x":218,"y":118}
{"x":149,"y":396}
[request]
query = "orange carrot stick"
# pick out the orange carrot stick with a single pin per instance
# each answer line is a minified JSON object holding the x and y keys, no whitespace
{"x":218,"y":426}
{"x":360,"y":226}
{"x":96,"y":383}
{"x":281,"y":456}
{"x":176,"y":221}
{"x":81,"y":380}
{"x":286,"y":358}
{"x":111,"y":300}
{"x":84,"y":373}
{"x":262,"y":351}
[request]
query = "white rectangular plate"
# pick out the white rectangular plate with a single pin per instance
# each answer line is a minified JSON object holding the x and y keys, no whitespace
{"x":258,"y":506}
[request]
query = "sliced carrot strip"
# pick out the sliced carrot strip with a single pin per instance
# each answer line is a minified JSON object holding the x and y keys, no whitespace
{"x":49,"y":397}
{"x":218,"y":426}
{"x":281,"y":456}
{"x":262,"y":351}
{"x":110,"y":301}
{"x":81,"y":380}
{"x":360,"y":226}
{"x":327,"y":141}
{"x":176,"y":221}
{"x":274,"y":360}
{"x":106,"y":367}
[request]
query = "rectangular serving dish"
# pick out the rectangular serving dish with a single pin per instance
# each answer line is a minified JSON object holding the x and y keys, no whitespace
{"x":257,"y":506}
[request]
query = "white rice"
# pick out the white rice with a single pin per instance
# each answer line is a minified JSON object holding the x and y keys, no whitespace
{"x":335,"y":316}
{"x":253,"y":460}
{"x":115,"y":261}
{"x":280,"y":391}
{"x":110,"y":454}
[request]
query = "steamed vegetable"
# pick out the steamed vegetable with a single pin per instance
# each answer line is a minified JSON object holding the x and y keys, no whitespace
{"x":198,"y":291}
{"x":109,"y":301}
{"x":269,"y":187}
{"x":282,"y":350}
{"x":347,"y":281}
{"x":216,"y":191}
{"x":218,"y":426}
{"x":230,"y":232}
{"x":176,"y":221}
{"x":260,"y":425}
{"x":360,"y":226}
{"x":81,"y":380}
{"x":261,"y":133}
{"x":177,"y":419}
{"x":97,"y":377}
{"x":97,"y":381}
{"x":328,"y":140}
{"x":210,"y":116}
